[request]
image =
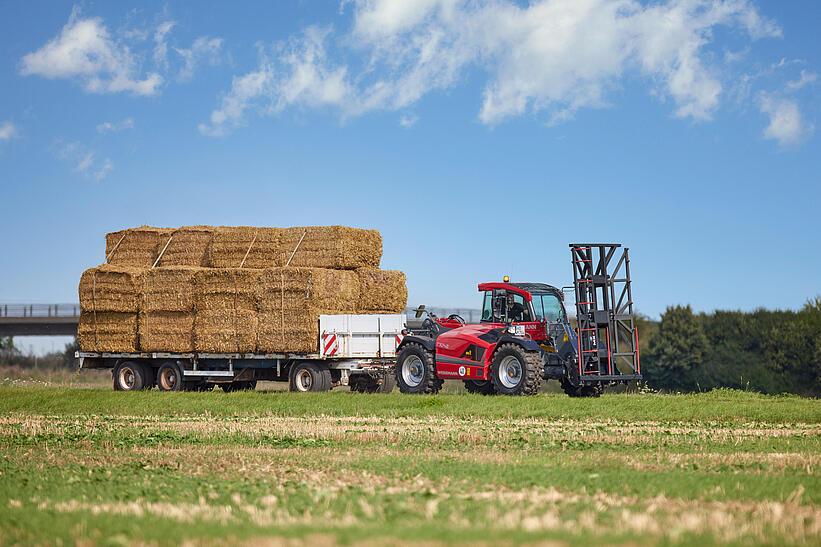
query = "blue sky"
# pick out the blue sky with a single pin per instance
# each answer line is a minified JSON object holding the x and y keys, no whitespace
{"x":480,"y":138}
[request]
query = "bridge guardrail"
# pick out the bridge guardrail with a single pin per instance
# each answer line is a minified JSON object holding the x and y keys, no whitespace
{"x":39,"y":310}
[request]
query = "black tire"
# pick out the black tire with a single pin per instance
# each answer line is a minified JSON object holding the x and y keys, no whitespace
{"x":415,"y":370}
{"x":482,"y":387}
{"x":250,"y":385}
{"x":364,"y":383}
{"x":129,"y":376}
{"x":170,"y":378}
{"x":515,"y":371}
{"x":594,"y":390}
{"x":307,"y":376}
{"x":150,"y":376}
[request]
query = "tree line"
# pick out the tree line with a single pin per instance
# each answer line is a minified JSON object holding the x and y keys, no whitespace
{"x":763,"y":350}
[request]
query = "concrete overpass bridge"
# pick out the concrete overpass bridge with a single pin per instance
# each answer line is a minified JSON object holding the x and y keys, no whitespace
{"x":39,"y":319}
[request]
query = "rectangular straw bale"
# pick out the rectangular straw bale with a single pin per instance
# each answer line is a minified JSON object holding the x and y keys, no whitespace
{"x":188,"y":246}
{"x":166,"y":331}
{"x":382,"y":291}
{"x":225,"y":289}
{"x":300,"y":288}
{"x":107,"y":332}
{"x":258,"y":247}
{"x":335,"y":247}
{"x":111,"y":288}
{"x":225,"y":331}
{"x":136,"y":246}
{"x":169,"y":289}
{"x":289,"y":332}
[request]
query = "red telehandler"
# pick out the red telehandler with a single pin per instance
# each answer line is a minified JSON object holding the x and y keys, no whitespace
{"x":525,"y":335}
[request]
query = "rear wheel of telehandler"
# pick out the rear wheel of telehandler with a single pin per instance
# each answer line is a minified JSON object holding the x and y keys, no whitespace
{"x":129,"y":376}
{"x":416,"y":371}
{"x":515,"y":371}
{"x":482,"y":387}
{"x":170,"y":377}
{"x":307,"y":376}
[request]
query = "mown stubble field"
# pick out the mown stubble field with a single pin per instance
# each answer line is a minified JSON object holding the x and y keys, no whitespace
{"x":95,"y":466}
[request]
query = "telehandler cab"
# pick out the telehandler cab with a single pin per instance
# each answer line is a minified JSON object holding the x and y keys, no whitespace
{"x":525,"y":335}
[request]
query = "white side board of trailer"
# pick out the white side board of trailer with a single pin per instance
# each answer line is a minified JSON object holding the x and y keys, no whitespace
{"x":360,"y":336}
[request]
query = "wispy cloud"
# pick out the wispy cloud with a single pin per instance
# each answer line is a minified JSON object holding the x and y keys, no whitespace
{"x":547,"y":56}
{"x":805,"y":78}
{"x":115,"y":127}
{"x":84,"y":161}
{"x":161,"y":44}
{"x":203,"y":50}
{"x":7,"y":131}
{"x":408,"y":120}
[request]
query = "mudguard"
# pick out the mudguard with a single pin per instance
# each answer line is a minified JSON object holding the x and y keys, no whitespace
{"x":527,"y":345}
{"x":425,"y":341}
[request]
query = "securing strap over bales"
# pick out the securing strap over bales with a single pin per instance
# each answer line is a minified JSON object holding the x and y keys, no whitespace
{"x":111,"y":254}
{"x":162,"y":252}
{"x":244,"y":258}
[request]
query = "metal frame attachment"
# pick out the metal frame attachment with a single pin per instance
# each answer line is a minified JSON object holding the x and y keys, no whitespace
{"x":606,"y":325}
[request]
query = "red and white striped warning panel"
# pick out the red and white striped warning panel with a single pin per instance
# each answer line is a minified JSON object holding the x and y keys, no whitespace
{"x":330,"y":344}
{"x":399,"y":338}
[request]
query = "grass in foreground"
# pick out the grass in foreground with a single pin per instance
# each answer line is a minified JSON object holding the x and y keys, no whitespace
{"x":100,"y":466}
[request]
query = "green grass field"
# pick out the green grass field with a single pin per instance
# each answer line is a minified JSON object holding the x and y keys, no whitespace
{"x":95,"y":466}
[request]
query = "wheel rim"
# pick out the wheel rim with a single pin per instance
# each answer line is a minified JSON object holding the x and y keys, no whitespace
{"x":304,"y":380}
{"x":126,"y":378}
{"x":510,"y":371}
{"x":168,"y":379}
{"x":413,"y":371}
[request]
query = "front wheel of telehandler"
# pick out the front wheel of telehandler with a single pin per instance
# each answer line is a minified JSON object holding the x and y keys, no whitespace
{"x":515,"y":371}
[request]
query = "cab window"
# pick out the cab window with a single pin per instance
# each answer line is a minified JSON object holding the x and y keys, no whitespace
{"x":487,"y":306}
{"x":519,"y":311}
{"x":551,"y":308}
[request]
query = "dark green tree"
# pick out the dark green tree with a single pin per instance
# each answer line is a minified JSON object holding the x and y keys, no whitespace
{"x":677,"y":349}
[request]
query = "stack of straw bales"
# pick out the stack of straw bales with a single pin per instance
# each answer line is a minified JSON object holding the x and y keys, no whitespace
{"x":167,"y":309}
{"x":109,"y":300}
{"x":231,"y":289}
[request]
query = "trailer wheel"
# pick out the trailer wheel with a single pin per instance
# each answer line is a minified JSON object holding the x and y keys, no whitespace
{"x":416,"y":371}
{"x":515,"y":371}
{"x":308,"y":376}
{"x":482,"y":387}
{"x":170,"y":377}
{"x":129,"y":376}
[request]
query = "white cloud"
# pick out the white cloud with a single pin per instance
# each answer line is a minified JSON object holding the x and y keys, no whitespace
{"x":115,"y":127}
{"x":807,"y":77}
{"x":408,"y":120}
{"x":85,"y":50}
{"x":786,"y":123}
{"x":160,"y":43}
{"x":550,"y":57}
{"x":203,"y":49}
{"x":84,"y":161}
{"x":245,"y":91}
{"x":7,"y":131}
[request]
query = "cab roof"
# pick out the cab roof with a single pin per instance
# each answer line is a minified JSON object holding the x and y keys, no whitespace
{"x":525,"y":289}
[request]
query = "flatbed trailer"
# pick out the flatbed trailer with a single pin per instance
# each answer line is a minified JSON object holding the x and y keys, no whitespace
{"x":352,"y":350}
